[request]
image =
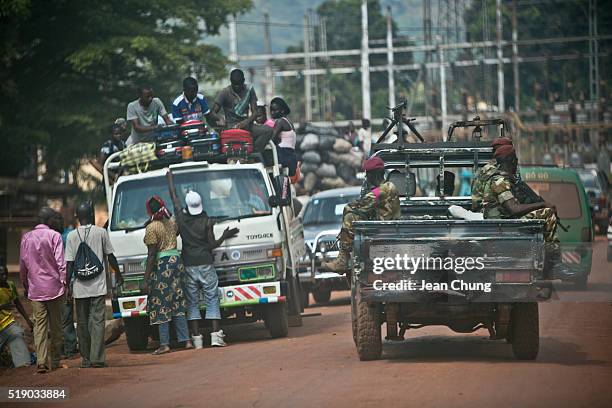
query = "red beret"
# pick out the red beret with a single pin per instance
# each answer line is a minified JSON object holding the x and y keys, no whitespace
{"x":503,"y":151}
{"x":374,"y":163}
{"x":501,"y":141}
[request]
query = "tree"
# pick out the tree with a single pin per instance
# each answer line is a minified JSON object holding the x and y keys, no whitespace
{"x":70,"y":67}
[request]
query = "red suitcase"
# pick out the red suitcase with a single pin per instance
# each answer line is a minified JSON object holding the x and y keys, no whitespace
{"x":236,"y":142}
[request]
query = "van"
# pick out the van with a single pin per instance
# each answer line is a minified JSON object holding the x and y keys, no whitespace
{"x":563,"y":188}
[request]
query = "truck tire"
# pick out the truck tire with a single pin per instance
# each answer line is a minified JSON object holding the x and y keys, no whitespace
{"x":582,"y":282}
{"x":137,"y":332}
{"x":369,"y":341}
{"x":321,"y":295}
{"x":354,"y":317}
{"x":305,"y":298}
{"x":294,"y":303}
{"x":525,"y":331}
{"x":276,"y":320}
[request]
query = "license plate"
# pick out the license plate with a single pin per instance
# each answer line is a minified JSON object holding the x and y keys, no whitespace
{"x":129,"y":305}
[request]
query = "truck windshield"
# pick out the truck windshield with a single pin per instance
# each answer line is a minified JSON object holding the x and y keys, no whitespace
{"x":563,"y":195}
{"x":326,"y":210}
{"x":226,"y":194}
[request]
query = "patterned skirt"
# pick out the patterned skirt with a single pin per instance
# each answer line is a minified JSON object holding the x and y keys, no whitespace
{"x":166,"y":296}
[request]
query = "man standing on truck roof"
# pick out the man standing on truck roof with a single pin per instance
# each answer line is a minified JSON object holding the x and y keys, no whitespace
{"x":191,"y":105}
{"x":499,"y":201}
{"x":380,"y":203}
{"x":198,"y":238}
{"x":143,"y":113}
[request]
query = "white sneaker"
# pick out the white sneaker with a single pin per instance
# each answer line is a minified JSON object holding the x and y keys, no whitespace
{"x":216,"y":339}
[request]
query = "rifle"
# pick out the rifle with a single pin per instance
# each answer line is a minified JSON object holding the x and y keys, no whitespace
{"x":525,"y":195}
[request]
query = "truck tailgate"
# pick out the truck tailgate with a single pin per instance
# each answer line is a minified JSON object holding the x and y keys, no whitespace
{"x":506,"y":254}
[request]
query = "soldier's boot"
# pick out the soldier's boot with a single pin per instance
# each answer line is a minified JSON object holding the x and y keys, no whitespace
{"x":340,"y":264}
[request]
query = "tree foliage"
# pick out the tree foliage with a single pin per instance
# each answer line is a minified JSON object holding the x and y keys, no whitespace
{"x":70,"y":67}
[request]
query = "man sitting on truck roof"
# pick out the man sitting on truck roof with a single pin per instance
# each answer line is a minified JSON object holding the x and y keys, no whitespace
{"x":143,"y":113}
{"x":484,"y":173}
{"x":381,"y":203}
{"x":191,"y":105}
{"x":499,"y":201}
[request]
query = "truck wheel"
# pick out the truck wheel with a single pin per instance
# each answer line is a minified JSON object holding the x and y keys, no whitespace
{"x":582,"y":282}
{"x":276,"y":320}
{"x":305,"y":298}
{"x":369,"y":341}
{"x":295,"y":303}
{"x":137,"y":332}
{"x":525,"y":331}
{"x":354,"y":317}
{"x":321,"y":295}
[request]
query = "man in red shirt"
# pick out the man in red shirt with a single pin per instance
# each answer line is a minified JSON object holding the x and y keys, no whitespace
{"x":42,"y":270}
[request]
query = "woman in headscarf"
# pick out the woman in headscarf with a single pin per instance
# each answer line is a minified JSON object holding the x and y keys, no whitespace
{"x":163,"y":276}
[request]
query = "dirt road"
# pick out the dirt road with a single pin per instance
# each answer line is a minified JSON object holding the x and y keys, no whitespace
{"x":317,"y":366}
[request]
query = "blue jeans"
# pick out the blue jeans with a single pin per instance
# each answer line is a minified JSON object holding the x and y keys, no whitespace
{"x":180,"y":326}
{"x":202,"y":280}
{"x":14,"y":337}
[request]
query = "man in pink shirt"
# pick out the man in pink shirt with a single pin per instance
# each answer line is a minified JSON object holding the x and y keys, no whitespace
{"x":42,"y":270}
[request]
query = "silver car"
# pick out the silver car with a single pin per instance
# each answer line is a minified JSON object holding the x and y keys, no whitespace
{"x":322,"y":219}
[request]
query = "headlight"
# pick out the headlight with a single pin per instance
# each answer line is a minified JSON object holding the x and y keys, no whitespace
{"x":322,"y":246}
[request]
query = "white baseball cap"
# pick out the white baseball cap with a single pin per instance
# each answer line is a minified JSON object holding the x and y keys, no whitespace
{"x":194,"y":203}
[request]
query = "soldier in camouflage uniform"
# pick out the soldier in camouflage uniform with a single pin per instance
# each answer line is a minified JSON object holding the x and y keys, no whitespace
{"x":485,"y":173}
{"x":498,"y":200}
{"x":380,"y":203}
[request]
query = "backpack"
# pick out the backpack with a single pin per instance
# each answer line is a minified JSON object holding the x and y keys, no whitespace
{"x":87,"y":265}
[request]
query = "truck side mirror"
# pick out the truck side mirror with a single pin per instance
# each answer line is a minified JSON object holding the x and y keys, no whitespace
{"x":273,"y":201}
{"x":282,"y":189}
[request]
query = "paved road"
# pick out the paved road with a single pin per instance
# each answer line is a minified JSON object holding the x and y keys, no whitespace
{"x":316,"y":366}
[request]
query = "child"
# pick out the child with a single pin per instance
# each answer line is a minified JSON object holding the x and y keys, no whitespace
{"x":283,"y":134}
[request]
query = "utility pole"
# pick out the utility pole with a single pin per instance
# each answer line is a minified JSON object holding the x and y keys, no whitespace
{"x":268,"y":48}
{"x":390,"y":58}
{"x":427,"y":40}
{"x":233,"y":42}
{"x":500,"y":59}
{"x":515,"y":64}
{"x":593,"y":66}
{"x":365,"y":62}
{"x":307,"y":83}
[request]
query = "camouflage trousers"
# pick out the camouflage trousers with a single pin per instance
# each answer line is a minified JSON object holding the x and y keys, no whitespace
{"x":347,"y":233}
{"x":550,"y":222}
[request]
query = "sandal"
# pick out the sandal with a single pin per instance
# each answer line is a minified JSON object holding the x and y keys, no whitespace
{"x":161,"y":350}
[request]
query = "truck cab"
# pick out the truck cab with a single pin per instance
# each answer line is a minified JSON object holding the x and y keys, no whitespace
{"x":257,"y":280}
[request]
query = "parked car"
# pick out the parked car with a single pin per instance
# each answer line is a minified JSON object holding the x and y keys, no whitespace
{"x":563,"y":187}
{"x":597,"y":187}
{"x":322,"y":220}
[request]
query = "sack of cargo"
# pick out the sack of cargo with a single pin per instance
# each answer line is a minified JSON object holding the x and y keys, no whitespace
{"x":311,"y":157}
{"x":326,"y":143}
{"x":236,"y":142}
{"x":310,"y":142}
{"x":310,"y":182}
{"x":309,"y":167}
{"x":333,"y":182}
{"x":342,"y":146}
{"x":319,"y":130}
{"x":326,"y":170}
{"x":138,"y":155}
{"x":346,"y":173}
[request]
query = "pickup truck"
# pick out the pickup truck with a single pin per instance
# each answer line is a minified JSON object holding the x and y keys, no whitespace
{"x":431,"y":268}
